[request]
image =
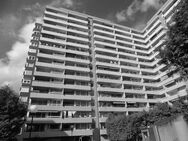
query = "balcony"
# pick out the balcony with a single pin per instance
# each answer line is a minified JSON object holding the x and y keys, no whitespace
{"x":56,"y":27}
{"x":62,"y":57}
{"x":59,"y":96}
{"x":48,"y":108}
{"x":131,"y":82}
{"x":106,"y":57}
{"x":113,"y":99}
{"x":56,"y":15}
{"x":60,"y":120}
{"x":176,"y":96}
{"x":78,"y":20}
{"x":135,"y":91}
{"x":27,"y":72}
{"x":59,"y":66}
{"x":153,"y":70}
{"x":115,"y":73}
{"x":123,"y":31}
{"x":63,"y":28}
{"x":129,"y":67}
{"x":105,"y":50}
{"x":54,"y":33}
{"x":60,"y":85}
{"x":62,"y":42}
{"x":103,"y":132}
{"x":105,"y":44}
{"x":108,"y":89}
{"x":96,"y":36}
{"x":58,"y":49}
{"x":85,"y":28}
{"x":126,"y":60}
{"x":142,"y":100}
{"x":132,"y":75}
{"x":78,"y":31}
{"x":136,"y":109}
{"x":103,"y":31}
{"x":176,"y":86}
{"x":59,"y":133}
{"x":78,"y":45}
{"x":111,"y":65}
{"x":108,"y":80}
{"x":112,"y":109}
{"x":60,"y":21}
{"x":102,"y":26}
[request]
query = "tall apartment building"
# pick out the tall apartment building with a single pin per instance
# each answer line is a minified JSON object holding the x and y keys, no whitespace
{"x":81,"y":68}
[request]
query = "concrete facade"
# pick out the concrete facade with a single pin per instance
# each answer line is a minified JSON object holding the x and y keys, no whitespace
{"x":81,"y":68}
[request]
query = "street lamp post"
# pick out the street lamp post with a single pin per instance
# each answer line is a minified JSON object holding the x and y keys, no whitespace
{"x":32,"y":108}
{"x":80,"y":138}
{"x":71,"y":128}
{"x":31,"y":127}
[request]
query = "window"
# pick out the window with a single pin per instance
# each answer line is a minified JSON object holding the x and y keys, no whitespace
{"x":31,"y":57}
{"x":25,"y":81}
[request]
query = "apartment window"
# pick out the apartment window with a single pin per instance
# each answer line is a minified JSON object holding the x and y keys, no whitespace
{"x":68,"y":103}
{"x":52,"y":114}
{"x":82,"y":103}
{"x":104,"y":114}
{"x":38,"y":102}
{"x":53,"y":126}
{"x":32,"y":50}
{"x":81,"y":93}
{"x":35,"y":38}
{"x":31,"y":57}
{"x":37,"y":115}
{"x":25,"y":89}
{"x":34,"y":44}
{"x":54,"y":102}
{"x":35,"y":127}
{"x":25,"y":81}
{"x":103,"y":125}
{"x":67,"y":126}
{"x":83,"y":126}
{"x":24,"y":99}
{"x":82,"y":114}
{"x":123,"y":29}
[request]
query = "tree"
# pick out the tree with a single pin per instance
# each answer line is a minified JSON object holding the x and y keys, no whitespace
{"x":12,"y":112}
{"x":175,"y":52}
{"x":129,"y":127}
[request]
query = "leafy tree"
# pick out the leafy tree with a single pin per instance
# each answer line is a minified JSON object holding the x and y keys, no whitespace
{"x":12,"y":111}
{"x":129,"y":127}
{"x":175,"y":52}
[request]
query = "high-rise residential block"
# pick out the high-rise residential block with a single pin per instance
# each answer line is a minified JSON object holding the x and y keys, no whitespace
{"x":81,"y":68}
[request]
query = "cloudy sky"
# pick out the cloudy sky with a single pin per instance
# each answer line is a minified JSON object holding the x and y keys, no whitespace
{"x":17,"y":19}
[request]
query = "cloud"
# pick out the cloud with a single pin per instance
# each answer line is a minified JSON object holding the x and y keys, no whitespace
{"x":33,"y":11}
{"x":20,"y":25}
{"x":64,"y":3}
{"x":120,"y":16}
{"x":37,"y":9}
{"x":70,"y":4}
{"x":13,"y":65}
{"x":137,"y":6}
{"x":8,"y":25}
{"x":140,"y":25}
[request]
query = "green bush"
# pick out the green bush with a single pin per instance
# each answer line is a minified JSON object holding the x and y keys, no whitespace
{"x":129,"y":127}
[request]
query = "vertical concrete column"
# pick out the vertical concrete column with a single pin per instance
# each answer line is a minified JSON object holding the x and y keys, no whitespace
{"x":127,"y":113}
{"x":94,"y":75}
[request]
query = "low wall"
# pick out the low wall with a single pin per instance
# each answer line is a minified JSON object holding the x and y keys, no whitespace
{"x":173,"y":130}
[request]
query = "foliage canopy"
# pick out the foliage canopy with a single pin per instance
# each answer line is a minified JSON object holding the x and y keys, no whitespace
{"x":12,"y":111}
{"x":175,"y":52}
{"x":123,"y":127}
